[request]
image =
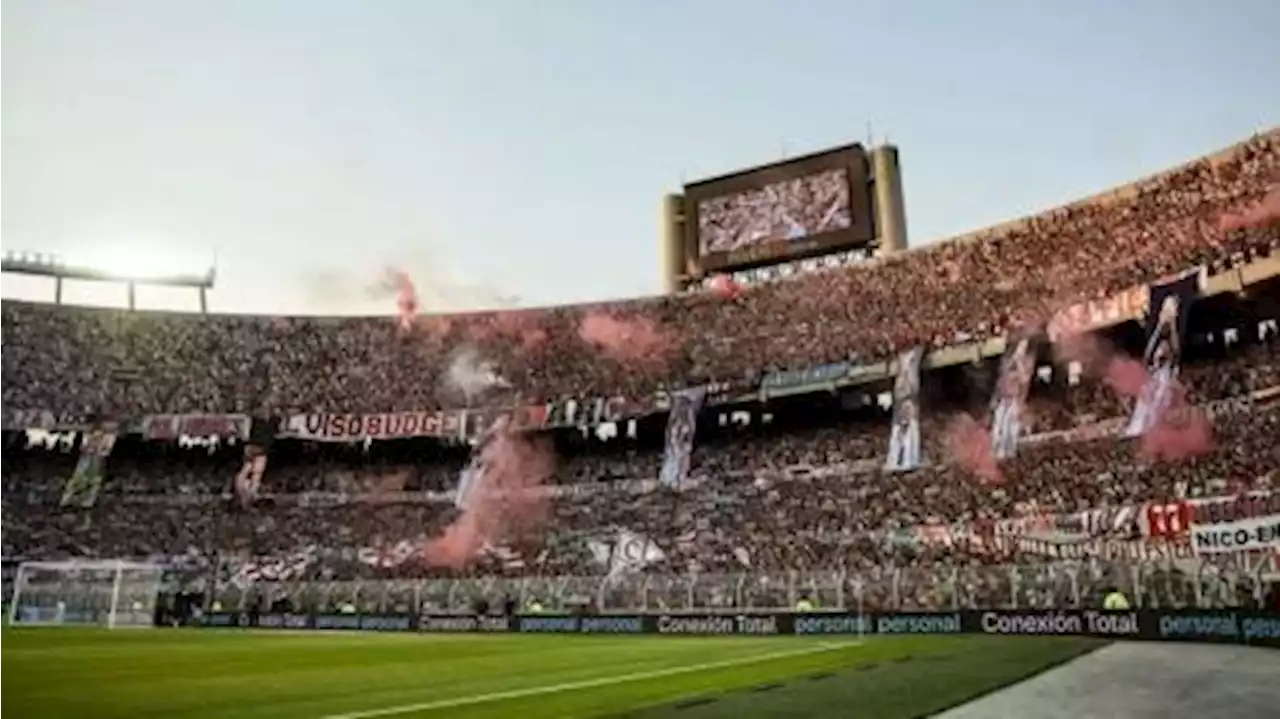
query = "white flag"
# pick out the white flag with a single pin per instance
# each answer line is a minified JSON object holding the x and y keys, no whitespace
{"x":629,"y":553}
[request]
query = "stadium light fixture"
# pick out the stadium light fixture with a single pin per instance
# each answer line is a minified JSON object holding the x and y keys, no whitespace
{"x":124,"y":265}
{"x":143,"y":267}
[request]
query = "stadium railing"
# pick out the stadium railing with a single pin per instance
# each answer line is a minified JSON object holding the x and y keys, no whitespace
{"x":1239,"y":581}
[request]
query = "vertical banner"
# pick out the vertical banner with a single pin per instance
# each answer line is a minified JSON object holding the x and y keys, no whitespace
{"x":467,"y":481}
{"x":1016,"y":368}
{"x":81,"y":489}
{"x":682,"y":423}
{"x":483,"y":456}
{"x":904,"y":439}
{"x":1168,"y":307}
{"x":262,"y":433}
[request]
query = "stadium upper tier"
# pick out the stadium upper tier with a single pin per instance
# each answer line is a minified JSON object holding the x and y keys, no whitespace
{"x":69,"y":360}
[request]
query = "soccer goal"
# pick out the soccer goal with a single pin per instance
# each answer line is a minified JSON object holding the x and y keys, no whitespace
{"x":111,"y":593}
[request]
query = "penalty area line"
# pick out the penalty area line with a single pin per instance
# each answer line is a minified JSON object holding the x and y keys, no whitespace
{"x":587,"y":683}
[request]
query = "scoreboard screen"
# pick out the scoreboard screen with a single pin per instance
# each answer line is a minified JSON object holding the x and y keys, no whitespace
{"x":807,"y":206}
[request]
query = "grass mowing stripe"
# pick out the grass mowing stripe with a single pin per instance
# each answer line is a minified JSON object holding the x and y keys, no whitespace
{"x":586,"y":684}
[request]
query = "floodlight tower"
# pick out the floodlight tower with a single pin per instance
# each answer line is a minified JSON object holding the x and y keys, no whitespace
{"x":54,"y":267}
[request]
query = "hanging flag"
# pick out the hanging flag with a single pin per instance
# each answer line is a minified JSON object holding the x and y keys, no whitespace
{"x":628,"y":553}
{"x":904,"y":438}
{"x":682,"y":424}
{"x":471,"y":476}
{"x":82,"y":488}
{"x":1016,"y":368}
{"x":1168,"y":307}
{"x":248,"y":481}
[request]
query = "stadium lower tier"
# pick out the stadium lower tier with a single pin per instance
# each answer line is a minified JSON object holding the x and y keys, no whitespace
{"x":1068,"y":496}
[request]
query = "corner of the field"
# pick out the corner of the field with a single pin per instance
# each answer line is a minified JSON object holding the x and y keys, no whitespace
{"x":976,"y":696}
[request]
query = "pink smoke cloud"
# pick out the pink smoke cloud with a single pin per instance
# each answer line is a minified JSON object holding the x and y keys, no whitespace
{"x":506,"y":502}
{"x":1266,"y":212}
{"x":725,"y":287}
{"x":968,"y":444}
{"x":406,"y":296}
{"x":522,"y":326}
{"x":480,"y":328}
{"x":436,"y":324}
{"x":1123,"y":374}
{"x":1182,"y":430}
{"x":1181,"y":433}
{"x":636,"y":341}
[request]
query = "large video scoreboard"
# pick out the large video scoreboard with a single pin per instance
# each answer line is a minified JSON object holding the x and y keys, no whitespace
{"x":806,"y":206}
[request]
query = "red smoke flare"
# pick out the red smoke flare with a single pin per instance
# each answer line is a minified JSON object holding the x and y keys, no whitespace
{"x":636,"y":341}
{"x":437,"y":324}
{"x":1266,"y":212}
{"x":1182,"y":432}
{"x":524,"y":326}
{"x":506,"y":501}
{"x":725,"y":287}
{"x":406,"y":296}
{"x":968,"y":444}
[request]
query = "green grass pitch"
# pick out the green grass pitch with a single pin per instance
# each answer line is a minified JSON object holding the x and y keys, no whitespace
{"x":176,"y":674}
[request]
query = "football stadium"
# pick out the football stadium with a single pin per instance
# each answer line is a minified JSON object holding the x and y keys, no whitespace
{"x":1007,"y":460}
{"x":829,"y":471}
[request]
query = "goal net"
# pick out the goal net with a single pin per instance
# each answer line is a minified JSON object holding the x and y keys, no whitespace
{"x":109,"y":593}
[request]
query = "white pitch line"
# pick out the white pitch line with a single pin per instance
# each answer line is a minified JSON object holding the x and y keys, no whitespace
{"x":586,"y":684}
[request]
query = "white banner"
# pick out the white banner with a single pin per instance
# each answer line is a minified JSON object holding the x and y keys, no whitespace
{"x":330,"y":427}
{"x":904,"y":437}
{"x":629,"y":552}
{"x":1242,"y":535}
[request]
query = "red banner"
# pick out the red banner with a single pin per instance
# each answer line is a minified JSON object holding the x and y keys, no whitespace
{"x":1168,"y":520}
{"x":1173,"y":520}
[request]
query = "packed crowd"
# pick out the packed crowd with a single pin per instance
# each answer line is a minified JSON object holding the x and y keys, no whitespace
{"x":782,"y":211}
{"x":806,"y":501}
{"x":812,"y":501}
{"x":73,"y":361}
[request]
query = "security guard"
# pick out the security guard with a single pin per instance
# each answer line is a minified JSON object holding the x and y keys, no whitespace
{"x":804,"y":605}
{"x":1115,"y":601}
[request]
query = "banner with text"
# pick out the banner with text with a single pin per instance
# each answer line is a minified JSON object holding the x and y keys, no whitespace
{"x":1241,"y":535}
{"x":458,"y":424}
{"x":1206,"y":625}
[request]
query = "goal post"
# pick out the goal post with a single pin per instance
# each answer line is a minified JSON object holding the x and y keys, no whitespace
{"x":111,"y":593}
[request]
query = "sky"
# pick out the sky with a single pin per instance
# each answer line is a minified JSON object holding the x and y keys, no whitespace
{"x":516,"y":151}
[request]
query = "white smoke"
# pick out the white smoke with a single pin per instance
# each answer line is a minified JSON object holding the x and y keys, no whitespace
{"x":471,"y":375}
